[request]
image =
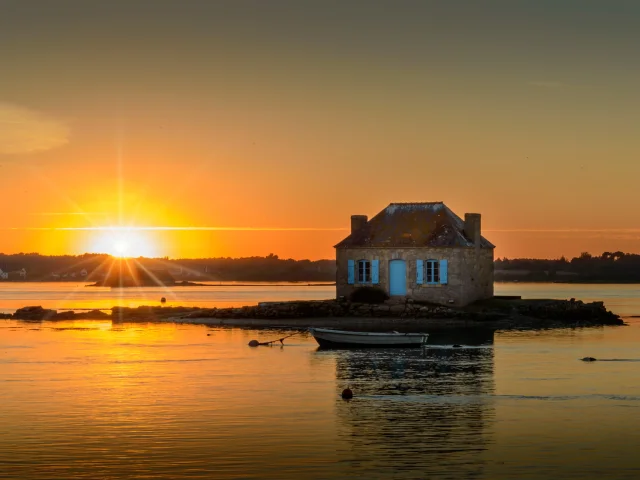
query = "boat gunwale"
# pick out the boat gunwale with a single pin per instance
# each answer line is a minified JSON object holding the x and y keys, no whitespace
{"x":367,"y":334}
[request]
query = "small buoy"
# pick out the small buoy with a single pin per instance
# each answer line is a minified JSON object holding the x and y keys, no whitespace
{"x":208,"y":334}
{"x":347,"y":393}
{"x":163,"y":300}
{"x":254,"y":343}
{"x":588,"y":359}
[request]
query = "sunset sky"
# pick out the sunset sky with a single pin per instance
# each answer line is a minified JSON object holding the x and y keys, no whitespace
{"x":239,"y":128}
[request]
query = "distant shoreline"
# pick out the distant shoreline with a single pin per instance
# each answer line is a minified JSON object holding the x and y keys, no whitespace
{"x":288,"y":283}
{"x":572,"y":282}
{"x":212,"y":284}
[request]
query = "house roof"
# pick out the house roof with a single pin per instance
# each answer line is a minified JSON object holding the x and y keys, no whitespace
{"x":429,"y":224}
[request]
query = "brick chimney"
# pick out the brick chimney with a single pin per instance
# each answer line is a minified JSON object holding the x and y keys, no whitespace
{"x":357,"y":222}
{"x":472,"y":227}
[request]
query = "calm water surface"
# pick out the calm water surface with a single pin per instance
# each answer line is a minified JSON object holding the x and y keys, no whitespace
{"x":72,"y":296}
{"x":622,"y":299}
{"x":95,"y":400}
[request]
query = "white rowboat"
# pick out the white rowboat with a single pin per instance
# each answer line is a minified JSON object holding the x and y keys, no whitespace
{"x":340,"y":338}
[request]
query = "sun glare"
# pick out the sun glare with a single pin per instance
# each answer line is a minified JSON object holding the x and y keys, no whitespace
{"x":123,"y":243}
{"x":121,"y":248}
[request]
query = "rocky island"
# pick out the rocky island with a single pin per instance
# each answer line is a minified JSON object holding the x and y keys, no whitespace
{"x":497,"y":313}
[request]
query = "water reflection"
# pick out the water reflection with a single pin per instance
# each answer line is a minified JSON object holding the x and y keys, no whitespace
{"x":418,"y":411}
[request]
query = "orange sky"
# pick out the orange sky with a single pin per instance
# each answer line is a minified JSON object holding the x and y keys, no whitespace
{"x":276,"y":115}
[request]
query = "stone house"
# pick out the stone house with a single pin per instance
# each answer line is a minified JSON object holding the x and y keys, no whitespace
{"x":419,"y":251}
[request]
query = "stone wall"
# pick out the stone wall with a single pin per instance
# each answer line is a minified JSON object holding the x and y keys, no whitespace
{"x":470,"y":272}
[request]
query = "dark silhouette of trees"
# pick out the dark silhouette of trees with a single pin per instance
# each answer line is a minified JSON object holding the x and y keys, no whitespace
{"x":270,"y":268}
{"x":610,"y":267}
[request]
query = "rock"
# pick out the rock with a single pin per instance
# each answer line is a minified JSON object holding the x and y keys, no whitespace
{"x":397,"y":308}
{"x":528,"y":313}
{"x":96,"y":315}
{"x":34,"y":313}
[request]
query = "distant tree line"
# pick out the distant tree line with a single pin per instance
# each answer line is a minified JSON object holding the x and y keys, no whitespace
{"x":610,"y":267}
{"x":93,"y":267}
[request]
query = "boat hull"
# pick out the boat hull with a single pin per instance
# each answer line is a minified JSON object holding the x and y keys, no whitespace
{"x":342,"y":339}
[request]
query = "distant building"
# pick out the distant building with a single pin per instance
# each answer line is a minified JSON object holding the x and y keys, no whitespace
{"x":4,"y":275}
{"x":419,"y":251}
{"x":17,"y":275}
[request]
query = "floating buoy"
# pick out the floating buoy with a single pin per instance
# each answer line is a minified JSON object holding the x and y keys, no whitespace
{"x":347,"y":394}
{"x":163,"y":300}
{"x":208,"y":334}
{"x":588,"y":359}
{"x":254,"y":343}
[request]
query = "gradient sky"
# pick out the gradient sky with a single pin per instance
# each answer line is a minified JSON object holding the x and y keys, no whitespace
{"x":257,"y":116}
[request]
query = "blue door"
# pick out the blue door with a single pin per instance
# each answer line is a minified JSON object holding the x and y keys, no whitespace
{"x":397,"y":277}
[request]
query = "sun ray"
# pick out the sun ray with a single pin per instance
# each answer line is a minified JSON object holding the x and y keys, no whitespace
{"x":75,"y":265}
{"x":68,"y":296}
{"x":169,"y":265}
{"x":156,"y":280}
{"x":138,"y":290}
{"x":120,"y":175}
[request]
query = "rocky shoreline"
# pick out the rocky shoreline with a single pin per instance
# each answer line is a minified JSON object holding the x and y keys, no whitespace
{"x":495,"y":313}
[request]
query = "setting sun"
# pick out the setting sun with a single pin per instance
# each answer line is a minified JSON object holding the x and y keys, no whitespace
{"x":121,"y":248}
{"x":123,"y":242}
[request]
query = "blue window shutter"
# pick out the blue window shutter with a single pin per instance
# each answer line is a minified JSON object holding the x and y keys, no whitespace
{"x":444,"y":271}
{"x":351,"y":272}
{"x":419,"y":272}
{"x":375,"y":276}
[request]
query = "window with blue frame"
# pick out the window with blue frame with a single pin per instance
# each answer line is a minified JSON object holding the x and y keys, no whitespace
{"x":432,"y":271}
{"x":364,"y":271}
